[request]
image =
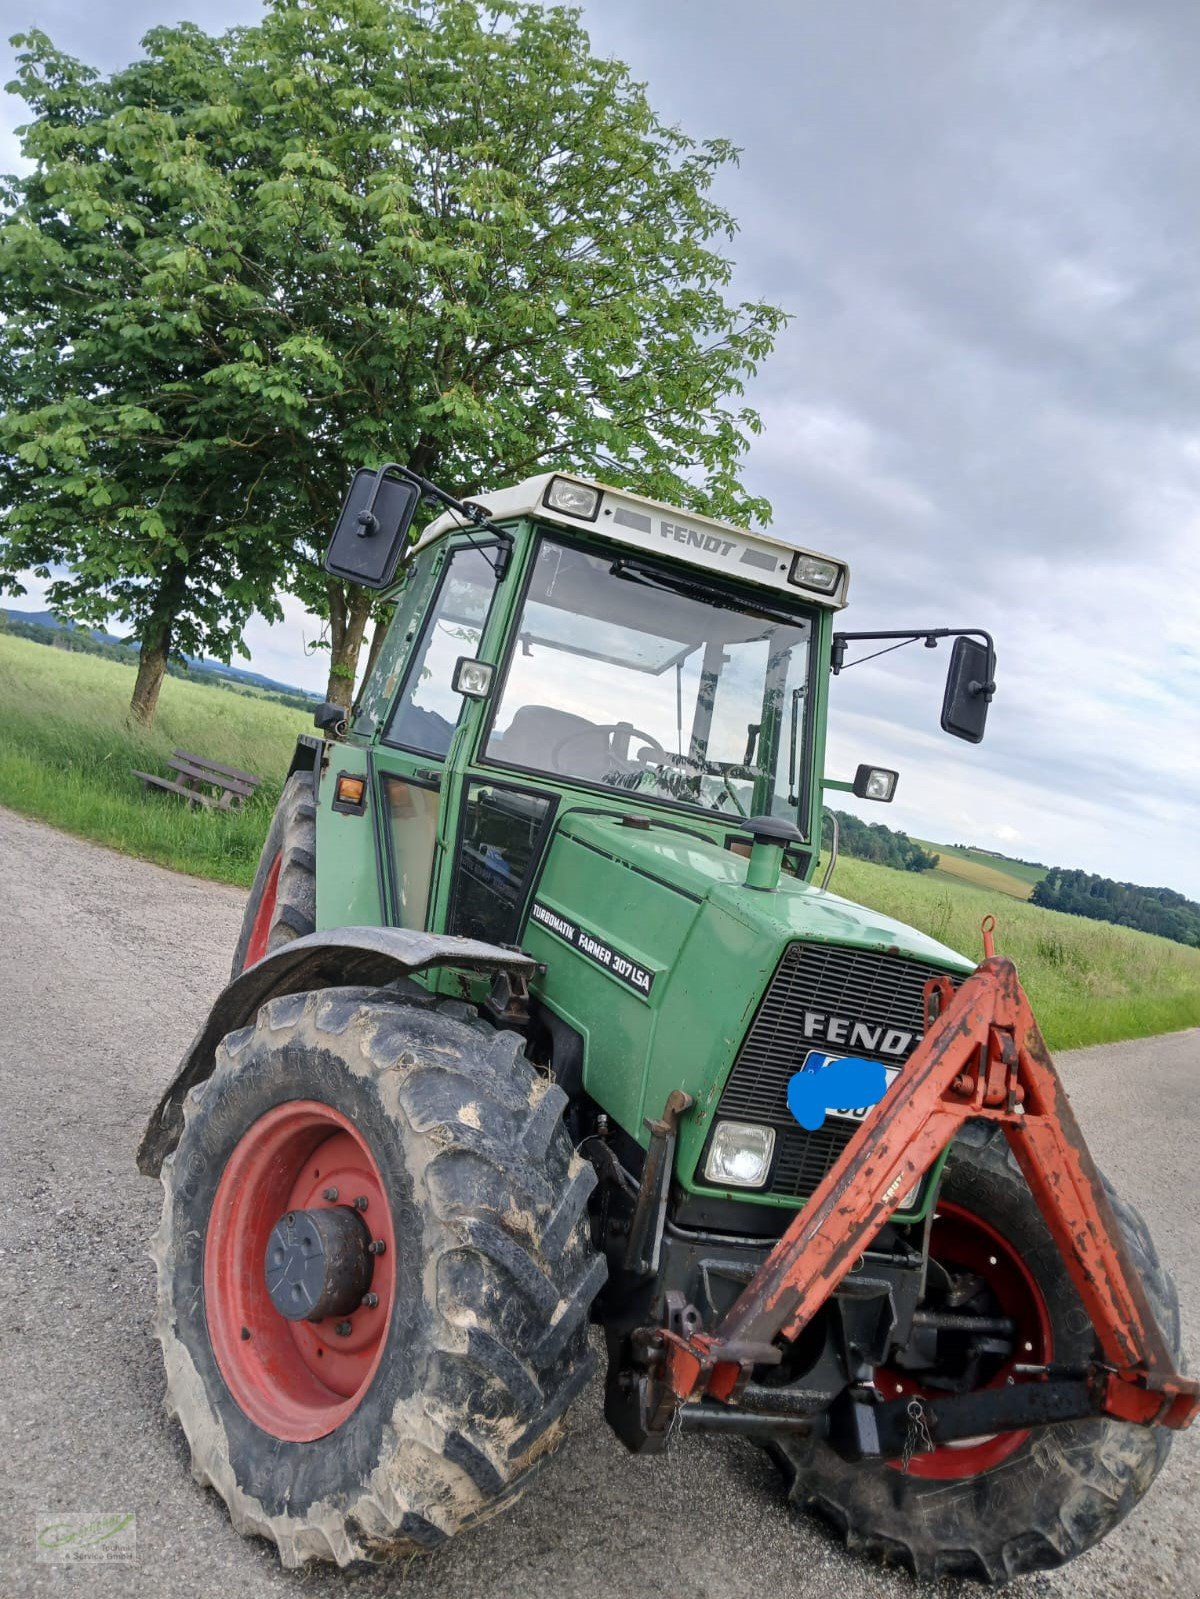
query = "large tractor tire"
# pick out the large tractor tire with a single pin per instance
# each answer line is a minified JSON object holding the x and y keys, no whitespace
{"x":398,"y":1167}
{"x":283,"y":898}
{"x":993,"y":1508}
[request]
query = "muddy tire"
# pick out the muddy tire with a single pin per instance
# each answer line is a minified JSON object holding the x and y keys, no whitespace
{"x":283,"y":899}
{"x":1062,"y":1488}
{"x":389,"y":1428}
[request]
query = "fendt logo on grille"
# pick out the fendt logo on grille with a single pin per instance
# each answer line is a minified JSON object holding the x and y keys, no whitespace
{"x":875,"y":1040}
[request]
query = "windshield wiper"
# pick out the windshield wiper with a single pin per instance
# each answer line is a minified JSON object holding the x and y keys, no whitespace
{"x":672,"y":583}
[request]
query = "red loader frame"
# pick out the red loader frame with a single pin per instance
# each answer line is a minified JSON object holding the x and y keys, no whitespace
{"x":983,"y":1056}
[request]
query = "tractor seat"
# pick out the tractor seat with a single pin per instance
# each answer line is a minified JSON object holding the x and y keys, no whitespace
{"x":536,"y":734}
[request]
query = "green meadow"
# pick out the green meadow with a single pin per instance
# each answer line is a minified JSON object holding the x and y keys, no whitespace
{"x":1089,"y":982}
{"x":66,"y":753}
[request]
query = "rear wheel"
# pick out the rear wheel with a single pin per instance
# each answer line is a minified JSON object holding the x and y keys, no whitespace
{"x":283,"y":898}
{"x":374,"y":1273}
{"x":993,"y":1507}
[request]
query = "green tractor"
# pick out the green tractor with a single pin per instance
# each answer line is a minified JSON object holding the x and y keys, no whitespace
{"x":540,"y":1020}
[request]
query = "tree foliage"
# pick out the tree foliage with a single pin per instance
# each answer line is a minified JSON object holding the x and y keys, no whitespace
{"x":872,"y":841}
{"x":1150,"y":910}
{"x":433,"y":231}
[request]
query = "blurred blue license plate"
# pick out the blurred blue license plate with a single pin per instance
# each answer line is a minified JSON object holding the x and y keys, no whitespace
{"x":813,"y":1062}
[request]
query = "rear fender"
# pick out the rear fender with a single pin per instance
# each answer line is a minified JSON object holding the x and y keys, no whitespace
{"x":342,"y":956}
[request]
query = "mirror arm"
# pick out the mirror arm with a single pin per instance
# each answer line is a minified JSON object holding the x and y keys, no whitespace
{"x":902,"y":636}
{"x":476,"y":515}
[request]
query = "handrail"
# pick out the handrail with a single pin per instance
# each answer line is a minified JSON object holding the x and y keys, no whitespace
{"x":833,"y":853}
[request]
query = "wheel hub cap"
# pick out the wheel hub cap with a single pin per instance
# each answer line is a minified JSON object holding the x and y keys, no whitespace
{"x":316,"y":1263}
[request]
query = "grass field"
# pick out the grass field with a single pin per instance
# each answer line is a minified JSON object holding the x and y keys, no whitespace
{"x":979,"y":870}
{"x":66,"y":754}
{"x":1089,"y":982}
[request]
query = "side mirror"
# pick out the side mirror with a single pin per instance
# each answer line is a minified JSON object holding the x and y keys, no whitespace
{"x":372,"y":529}
{"x":328,"y":714}
{"x":970,"y":684}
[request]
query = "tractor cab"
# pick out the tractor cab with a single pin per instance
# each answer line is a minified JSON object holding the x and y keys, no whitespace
{"x":576,"y":648}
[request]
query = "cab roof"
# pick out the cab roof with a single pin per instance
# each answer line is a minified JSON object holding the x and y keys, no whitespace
{"x":648,"y":525}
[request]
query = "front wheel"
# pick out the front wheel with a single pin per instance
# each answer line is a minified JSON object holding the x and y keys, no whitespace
{"x":374,"y":1273}
{"x":993,"y":1507}
{"x":283,"y":897}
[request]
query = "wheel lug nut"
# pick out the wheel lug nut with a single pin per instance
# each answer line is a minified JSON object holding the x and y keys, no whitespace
{"x":370,"y":1301}
{"x":330,"y":1194}
{"x":361,"y":1202}
{"x":343,"y":1329}
{"x":376,"y":1246}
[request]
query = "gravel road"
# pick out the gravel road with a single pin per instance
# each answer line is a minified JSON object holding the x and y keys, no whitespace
{"x":107,"y":964}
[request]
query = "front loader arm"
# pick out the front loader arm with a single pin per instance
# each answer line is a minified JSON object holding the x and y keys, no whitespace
{"x":983,"y":1057}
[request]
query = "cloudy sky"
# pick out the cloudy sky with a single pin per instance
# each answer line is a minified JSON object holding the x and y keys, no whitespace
{"x":984,"y":221}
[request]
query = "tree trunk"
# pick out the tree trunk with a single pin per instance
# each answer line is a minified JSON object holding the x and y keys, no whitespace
{"x":349,"y":612}
{"x":152,"y":668}
{"x":379,"y":633}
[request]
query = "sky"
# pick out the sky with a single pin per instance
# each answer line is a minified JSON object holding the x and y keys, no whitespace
{"x":983,"y":222}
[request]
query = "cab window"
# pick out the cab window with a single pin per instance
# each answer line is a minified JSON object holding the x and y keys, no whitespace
{"x":425,"y":715}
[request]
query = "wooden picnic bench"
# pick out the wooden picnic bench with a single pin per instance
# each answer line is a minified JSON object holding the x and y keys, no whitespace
{"x":203,"y":782}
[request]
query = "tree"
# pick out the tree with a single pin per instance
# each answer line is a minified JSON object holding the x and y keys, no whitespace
{"x":442,"y":233}
{"x":118,"y":459}
{"x":873,"y":841}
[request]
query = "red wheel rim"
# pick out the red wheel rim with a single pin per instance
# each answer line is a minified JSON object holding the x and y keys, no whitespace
{"x":965,"y":1242}
{"x":297,"y":1380}
{"x":260,"y":933}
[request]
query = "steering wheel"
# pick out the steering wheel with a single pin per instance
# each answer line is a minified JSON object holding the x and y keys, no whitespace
{"x":728,"y":769}
{"x":609,"y":728}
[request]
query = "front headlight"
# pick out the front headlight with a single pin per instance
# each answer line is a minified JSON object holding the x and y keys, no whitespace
{"x":739,"y":1155}
{"x":572,"y":499}
{"x":816,"y":573}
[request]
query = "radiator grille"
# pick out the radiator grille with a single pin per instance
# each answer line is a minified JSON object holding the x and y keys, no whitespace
{"x":881,"y":991}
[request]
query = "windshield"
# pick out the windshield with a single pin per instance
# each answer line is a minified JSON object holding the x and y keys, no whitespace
{"x":635,"y":677}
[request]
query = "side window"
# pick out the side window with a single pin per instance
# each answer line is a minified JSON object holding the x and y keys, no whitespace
{"x":425,"y":715}
{"x":503,"y":836}
{"x":412,"y":813}
{"x":376,"y":693}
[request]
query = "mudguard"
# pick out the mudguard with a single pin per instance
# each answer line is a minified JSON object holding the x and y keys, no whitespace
{"x":340,"y":957}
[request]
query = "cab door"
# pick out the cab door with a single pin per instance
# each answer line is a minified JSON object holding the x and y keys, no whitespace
{"x":413,"y":710}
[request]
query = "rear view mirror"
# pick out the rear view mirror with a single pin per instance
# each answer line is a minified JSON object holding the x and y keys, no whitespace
{"x":970,"y":684}
{"x":372,"y":529}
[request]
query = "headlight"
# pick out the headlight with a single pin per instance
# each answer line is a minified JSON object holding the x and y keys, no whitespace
{"x":572,"y":499}
{"x":816,"y":573}
{"x":875,"y":783}
{"x":472,"y":678}
{"x":739,"y":1155}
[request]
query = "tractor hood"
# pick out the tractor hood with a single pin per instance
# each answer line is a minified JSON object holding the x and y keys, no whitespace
{"x":695,"y":866}
{"x":651,"y":947}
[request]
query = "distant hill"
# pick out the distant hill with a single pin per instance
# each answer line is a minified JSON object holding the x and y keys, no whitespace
{"x":985,"y":868}
{"x":47,"y":622}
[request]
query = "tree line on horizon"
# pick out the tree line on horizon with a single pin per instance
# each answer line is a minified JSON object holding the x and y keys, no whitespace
{"x":885,"y":846}
{"x":1149,"y":910}
{"x":441,"y":232}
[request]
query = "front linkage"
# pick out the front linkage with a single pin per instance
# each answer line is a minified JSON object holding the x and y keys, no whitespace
{"x":983,"y":1057}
